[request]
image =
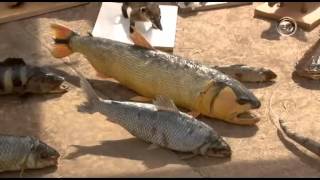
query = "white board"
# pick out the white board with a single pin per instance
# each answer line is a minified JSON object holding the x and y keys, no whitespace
{"x":112,"y":25}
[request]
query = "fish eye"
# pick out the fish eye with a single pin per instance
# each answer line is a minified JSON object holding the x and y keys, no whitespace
{"x":44,"y":155}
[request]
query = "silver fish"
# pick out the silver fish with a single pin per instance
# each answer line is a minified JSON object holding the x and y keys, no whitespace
{"x":161,"y":124}
{"x":25,"y":152}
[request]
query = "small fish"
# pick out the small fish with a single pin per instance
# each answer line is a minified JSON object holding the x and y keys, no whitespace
{"x":150,"y":73}
{"x":18,"y":153}
{"x":161,"y":124}
{"x":246,"y":73}
{"x":16,"y":77}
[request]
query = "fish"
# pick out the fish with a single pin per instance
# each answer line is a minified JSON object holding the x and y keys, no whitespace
{"x":244,"y":73}
{"x":310,"y":144}
{"x":191,"y":85}
{"x":18,"y":153}
{"x":16,"y":77}
{"x":160,"y":124}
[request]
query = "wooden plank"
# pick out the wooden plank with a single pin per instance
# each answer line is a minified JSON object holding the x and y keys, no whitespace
{"x":29,"y":9}
{"x":307,"y":21}
{"x":214,"y":5}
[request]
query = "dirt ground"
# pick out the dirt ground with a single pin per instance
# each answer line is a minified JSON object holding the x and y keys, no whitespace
{"x":91,"y":146}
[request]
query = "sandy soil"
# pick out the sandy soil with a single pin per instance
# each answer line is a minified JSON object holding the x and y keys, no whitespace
{"x":91,"y":146}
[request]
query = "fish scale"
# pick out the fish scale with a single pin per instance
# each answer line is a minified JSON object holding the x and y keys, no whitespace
{"x":13,"y":152}
{"x":119,"y":65}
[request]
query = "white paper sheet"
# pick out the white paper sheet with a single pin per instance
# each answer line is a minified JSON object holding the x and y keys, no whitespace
{"x":111,"y":24}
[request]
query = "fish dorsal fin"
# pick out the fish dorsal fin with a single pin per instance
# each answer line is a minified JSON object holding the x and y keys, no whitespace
{"x":12,"y":61}
{"x":165,"y":104}
{"x":139,"y":40}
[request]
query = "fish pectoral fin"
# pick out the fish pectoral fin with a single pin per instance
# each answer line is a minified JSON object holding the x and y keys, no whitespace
{"x":194,"y":114}
{"x":153,"y":146}
{"x":139,"y":40}
{"x":188,"y":156}
{"x":21,"y":172}
{"x":141,"y":99}
{"x":165,"y":104}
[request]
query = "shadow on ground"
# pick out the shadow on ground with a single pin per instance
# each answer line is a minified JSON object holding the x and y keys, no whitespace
{"x":138,"y":151}
{"x":305,"y":158}
{"x":306,"y":83}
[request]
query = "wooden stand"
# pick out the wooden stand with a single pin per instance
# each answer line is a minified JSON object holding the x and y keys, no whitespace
{"x":214,"y":5}
{"x":307,"y":21}
{"x":29,"y":9}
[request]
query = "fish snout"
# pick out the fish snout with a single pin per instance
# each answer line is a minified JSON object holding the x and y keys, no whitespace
{"x":270,"y":75}
{"x":255,"y":103}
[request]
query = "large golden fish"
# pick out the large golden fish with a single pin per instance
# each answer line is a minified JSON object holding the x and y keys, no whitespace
{"x":152,"y":73}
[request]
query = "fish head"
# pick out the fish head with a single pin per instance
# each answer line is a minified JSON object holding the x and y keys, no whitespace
{"x":41,"y":82}
{"x":42,"y":155}
{"x":268,"y":74}
{"x":233,"y":103}
{"x":218,"y":147}
{"x":153,"y":13}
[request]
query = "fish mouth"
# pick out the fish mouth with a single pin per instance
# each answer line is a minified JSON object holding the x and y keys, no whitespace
{"x":53,"y":160}
{"x":63,"y":87}
{"x":220,"y":153}
{"x":270,"y":75}
{"x":246,"y":118}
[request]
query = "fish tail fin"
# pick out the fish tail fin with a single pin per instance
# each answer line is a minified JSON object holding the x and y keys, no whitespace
{"x":61,"y":36}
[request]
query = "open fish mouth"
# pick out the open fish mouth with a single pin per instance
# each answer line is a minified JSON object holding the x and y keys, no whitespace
{"x":60,"y":88}
{"x":218,"y":153}
{"x":246,"y":118}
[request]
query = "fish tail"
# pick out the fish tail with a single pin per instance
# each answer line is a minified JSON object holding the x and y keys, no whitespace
{"x":61,"y":36}
{"x":308,"y":143}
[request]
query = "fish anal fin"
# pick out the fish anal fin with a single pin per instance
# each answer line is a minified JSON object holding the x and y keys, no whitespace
{"x":101,"y":75}
{"x":141,"y":99}
{"x":139,"y":40}
{"x":194,"y":114}
{"x":165,"y":104}
{"x":13,"y":61}
{"x":153,"y":146}
{"x":188,"y":156}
